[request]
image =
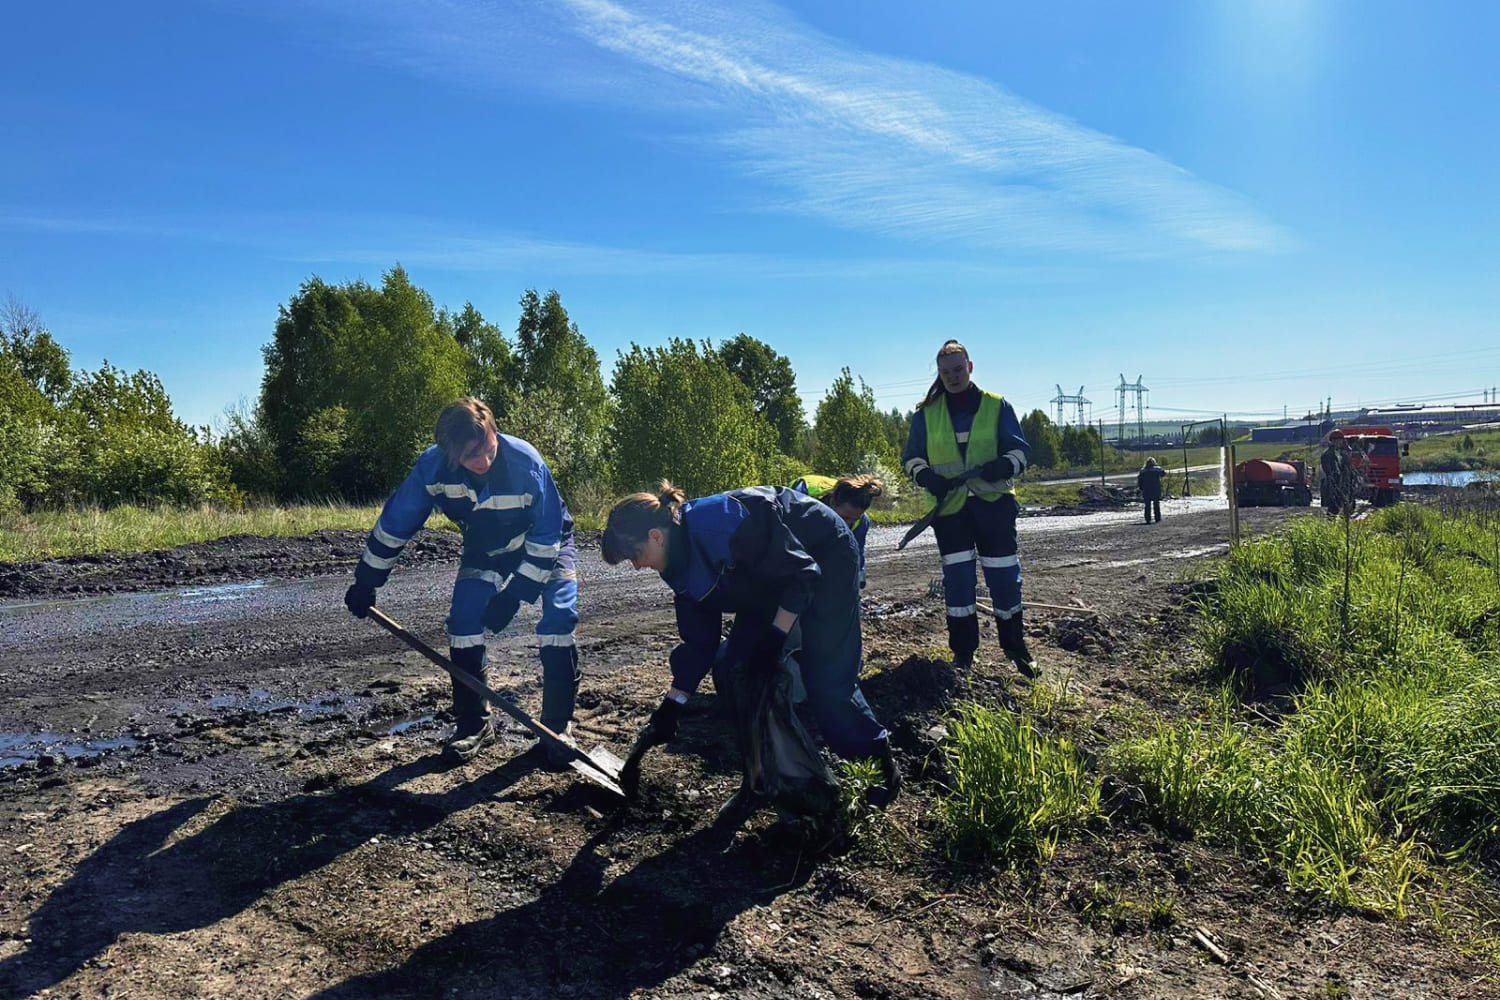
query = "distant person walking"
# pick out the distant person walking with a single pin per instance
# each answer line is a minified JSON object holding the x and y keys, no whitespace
{"x":1148,"y":481}
{"x":966,"y":449}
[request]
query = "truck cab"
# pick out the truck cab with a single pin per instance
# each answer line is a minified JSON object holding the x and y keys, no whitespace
{"x":1376,"y":456}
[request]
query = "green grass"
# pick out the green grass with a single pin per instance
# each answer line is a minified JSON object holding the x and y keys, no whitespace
{"x":47,"y":534}
{"x":1015,"y":790}
{"x":1387,"y":758}
{"x":1445,"y":453}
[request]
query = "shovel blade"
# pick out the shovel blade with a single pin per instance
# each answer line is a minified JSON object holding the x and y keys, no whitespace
{"x":606,"y":761}
{"x":598,"y":777}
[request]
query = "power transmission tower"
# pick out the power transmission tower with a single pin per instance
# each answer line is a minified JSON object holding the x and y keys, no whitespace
{"x":1077,"y":401}
{"x":1122,"y":390}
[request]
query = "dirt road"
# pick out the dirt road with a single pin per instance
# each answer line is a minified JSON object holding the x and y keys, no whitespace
{"x":231,"y":790}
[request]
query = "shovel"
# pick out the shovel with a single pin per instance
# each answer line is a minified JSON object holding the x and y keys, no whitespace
{"x":597,"y":765}
{"x":931,"y":515}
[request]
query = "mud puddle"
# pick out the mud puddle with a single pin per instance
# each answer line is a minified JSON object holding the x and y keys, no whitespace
{"x":20,"y":749}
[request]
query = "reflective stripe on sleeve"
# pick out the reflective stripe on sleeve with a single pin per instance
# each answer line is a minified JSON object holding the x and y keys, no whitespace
{"x":453,"y":491}
{"x":541,"y":551}
{"x":510,"y":546}
{"x":504,"y":501}
{"x":532,"y":572}
{"x":1019,"y":457}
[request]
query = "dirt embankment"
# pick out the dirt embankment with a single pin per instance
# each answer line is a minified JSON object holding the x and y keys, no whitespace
{"x":238,"y":557}
{"x":281,"y":826}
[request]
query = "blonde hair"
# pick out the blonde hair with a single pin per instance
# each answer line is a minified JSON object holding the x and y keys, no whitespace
{"x":632,"y":518}
{"x":936,"y":389}
{"x":856,"y":491}
{"x":460,"y":425}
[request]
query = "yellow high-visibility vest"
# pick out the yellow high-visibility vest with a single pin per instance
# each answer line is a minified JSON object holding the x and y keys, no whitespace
{"x":983,"y":446}
{"x":815,"y":486}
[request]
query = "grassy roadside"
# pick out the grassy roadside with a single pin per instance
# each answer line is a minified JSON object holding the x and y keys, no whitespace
{"x":89,"y":530}
{"x":1353,"y":744}
{"x":49,"y":534}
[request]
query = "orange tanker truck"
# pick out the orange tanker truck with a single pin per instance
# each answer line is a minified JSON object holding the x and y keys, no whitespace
{"x":1262,"y":483}
{"x":1376,"y":457}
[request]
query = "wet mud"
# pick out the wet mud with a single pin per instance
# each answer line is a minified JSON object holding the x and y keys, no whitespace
{"x":238,"y":793}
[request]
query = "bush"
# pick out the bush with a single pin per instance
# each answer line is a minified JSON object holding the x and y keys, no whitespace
{"x":150,"y":466}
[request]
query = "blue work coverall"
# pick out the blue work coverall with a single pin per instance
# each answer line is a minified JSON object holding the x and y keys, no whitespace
{"x":518,"y":548}
{"x":750,"y":551}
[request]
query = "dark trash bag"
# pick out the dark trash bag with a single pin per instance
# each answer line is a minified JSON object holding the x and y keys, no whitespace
{"x":781,"y":760}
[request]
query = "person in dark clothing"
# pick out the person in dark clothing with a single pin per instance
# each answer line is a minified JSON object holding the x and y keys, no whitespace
{"x":966,"y":450}
{"x":1148,"y":481}
{"x":850,"y":497}
{"x":1336,"y":484}
{"x":776,"y":560}
{"x":518,"y":547}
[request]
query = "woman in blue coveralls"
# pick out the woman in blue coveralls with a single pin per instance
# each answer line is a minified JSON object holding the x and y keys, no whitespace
{"x":518,"y":546}
{"x":775,"y":559}
{"x":966,"y":450}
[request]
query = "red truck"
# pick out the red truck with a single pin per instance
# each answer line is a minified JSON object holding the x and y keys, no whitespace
{"x":1376,"y":455}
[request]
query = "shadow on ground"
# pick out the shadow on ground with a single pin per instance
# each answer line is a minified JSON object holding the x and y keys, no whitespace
{"x":133,"y":885}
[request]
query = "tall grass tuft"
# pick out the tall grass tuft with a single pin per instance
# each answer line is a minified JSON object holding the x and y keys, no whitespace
{"x":1014,"y":790}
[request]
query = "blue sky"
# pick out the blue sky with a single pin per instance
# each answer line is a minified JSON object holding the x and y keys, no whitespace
{"x":1248,"y":203}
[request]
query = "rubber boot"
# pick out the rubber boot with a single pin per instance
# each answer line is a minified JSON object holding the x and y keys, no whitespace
{"x":472,"y":731}
{"x":963,"y":639}
{"x":738,"y":807}
{"x":1013,"y":642}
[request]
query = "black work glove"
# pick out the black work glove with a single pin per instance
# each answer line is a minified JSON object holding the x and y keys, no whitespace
{"x":359,"y":599}
{"x":933,"y":483}
{"x":765,"y":655}
{"x":997,"y":469}
{"x":499,"y":612}
{"x":663,"y":725}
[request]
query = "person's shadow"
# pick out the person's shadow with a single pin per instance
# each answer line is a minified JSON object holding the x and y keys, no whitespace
{"x":133,"y":884}
{"x":585,"y":937}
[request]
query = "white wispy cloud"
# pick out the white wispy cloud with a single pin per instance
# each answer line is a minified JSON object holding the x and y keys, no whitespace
{"x":377,"y":242}
{"x":868,"y":142}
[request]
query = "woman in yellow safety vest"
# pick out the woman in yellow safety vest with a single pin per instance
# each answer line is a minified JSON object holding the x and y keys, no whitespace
{"x":850,"y":497}
{"x":966,"y":449}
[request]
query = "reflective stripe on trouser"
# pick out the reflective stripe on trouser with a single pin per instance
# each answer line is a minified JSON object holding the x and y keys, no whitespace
{"x":986,"y":530}
{"x":555,"y":635}
{"x":832,"y":653}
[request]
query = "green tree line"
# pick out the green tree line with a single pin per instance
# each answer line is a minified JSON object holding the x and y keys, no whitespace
{"x":355,"y":375}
